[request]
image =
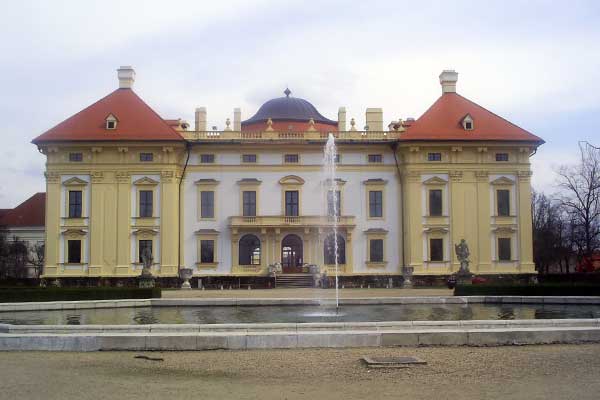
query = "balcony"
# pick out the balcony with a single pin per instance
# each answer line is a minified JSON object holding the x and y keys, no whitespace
{"x":278,"y":221}
{"x":266,"y":136}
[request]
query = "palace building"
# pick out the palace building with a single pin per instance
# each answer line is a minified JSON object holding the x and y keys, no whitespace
{"x":231,"y":203}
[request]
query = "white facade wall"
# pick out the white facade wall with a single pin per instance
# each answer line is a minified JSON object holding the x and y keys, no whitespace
{"x":312,"y":200}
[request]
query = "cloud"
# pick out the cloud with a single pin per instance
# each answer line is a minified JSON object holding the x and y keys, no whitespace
{"x":537,"y":67}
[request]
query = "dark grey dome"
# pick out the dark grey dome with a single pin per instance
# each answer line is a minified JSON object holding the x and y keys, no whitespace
{"x":287,"y":109}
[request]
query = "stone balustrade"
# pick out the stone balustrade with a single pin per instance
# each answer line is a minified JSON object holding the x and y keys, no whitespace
{"x":287,"y":136}
{"x":300,"y":221}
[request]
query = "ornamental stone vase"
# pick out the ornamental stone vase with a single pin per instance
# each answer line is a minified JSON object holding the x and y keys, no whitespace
{"x":186,"y":274}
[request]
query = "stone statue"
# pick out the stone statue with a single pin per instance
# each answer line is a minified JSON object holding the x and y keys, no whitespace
{"x":147,"y":262}
{"x":146,"y":279}
{"x":462,"y":253}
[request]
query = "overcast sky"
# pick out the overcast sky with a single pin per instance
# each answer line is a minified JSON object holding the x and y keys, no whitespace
{"x":536,"y":63}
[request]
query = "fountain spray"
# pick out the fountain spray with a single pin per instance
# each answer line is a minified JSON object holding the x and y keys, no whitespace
{"x":329,"y":161}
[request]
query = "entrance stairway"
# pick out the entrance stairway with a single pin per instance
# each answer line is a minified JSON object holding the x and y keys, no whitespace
{"x":294,"y":281}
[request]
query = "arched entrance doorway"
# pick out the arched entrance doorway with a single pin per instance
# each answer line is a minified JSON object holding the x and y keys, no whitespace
{"x":291,"y":254}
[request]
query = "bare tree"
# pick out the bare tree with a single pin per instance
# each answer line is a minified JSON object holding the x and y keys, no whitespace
{"x":18,"y":257}
{"x":37,"y":258}
{"x":4,"y":252}
{"x":550,"y":246}
{"x":581,"y":199}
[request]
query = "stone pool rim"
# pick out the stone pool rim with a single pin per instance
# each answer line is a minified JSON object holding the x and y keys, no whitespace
{"x":163,"y":337}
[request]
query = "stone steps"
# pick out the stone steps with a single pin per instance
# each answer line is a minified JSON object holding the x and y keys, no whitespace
{"x":294,"y":281}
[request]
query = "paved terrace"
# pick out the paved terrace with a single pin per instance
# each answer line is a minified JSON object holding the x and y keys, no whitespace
{"x":303,"y":293}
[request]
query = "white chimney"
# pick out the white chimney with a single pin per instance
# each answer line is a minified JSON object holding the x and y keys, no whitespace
{"x":200,"y":119}
{"x":126,"y":76}
{"x":237,"y":119}
{"x":448,"y":79}
{"x":374,"y":119}
{"x":342,"y":119}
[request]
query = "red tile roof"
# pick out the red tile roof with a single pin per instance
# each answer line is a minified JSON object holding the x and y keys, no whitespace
{"x":136,"y":121}
{"x":32,"y":212}
{"x":443,"y":121}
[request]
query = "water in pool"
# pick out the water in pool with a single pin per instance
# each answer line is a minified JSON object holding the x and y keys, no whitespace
{"x":270,"y":314}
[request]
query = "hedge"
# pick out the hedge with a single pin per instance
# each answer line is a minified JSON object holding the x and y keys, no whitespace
{"x":546,"y":289}
{"x":13,"y":295}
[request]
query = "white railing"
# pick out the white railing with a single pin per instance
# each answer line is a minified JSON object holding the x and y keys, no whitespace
{"x":274,"y":135}
{"x":276,"y":220}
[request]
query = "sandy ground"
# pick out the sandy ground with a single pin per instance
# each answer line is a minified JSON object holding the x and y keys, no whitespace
{"x":525,"y":372}
{"x":304,"y":293}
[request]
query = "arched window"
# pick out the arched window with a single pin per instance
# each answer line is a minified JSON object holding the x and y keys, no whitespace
{"x":329,"y":249}
{"x":249,"y":250}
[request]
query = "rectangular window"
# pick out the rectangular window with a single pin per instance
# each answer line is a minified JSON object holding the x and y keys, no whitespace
{"x":146,"y":199}
{"x":375,"y":158}
{"x":501,"y":156}
{"x":435,"y":202}
{"x":434,"y":156}
{"x":436,"y":249}
{"x":74,"y":251}
{"x":504,"y":249}
{"x":331,"y":202}
{"x":142,"y":246}
{"x":75,"y":157}
{"x":336,"y":159}
{"x":291,"y":158}
{"x":207,"y":204}
{"x":376,"y":250}
{"x":74,"y":203}
{"x":146,"y":157}
{"x":503,"y":198}
{"x":375,"y":204}
{"x":207,"y":158}
{"x":207,"y":251}
{"x":249,"y":158}
{"x":249,"y":203}
{"x":291,"y":203}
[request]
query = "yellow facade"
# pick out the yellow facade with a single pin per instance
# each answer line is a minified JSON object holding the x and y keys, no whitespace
{"x":467,"y":176}
{"x":107,"y":224}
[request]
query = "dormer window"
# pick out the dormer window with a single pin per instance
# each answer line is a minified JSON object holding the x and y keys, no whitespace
{"x":467,"y":123}
{"x":111,"y":122}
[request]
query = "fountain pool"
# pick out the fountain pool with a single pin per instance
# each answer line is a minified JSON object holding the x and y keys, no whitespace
{"x":298,"y":314}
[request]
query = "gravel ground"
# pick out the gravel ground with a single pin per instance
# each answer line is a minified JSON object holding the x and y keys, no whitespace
{"x":304,"y":293}
{"x":523,"y":372}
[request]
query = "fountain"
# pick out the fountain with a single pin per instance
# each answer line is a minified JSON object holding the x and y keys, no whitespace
{"x":329,"y":167}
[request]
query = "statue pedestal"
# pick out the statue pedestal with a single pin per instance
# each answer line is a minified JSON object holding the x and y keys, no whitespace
{"x":146,"y":281}
{"x":464,"y":276}
{"x":407,"y":273}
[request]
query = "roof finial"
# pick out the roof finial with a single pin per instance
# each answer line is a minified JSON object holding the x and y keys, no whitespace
{"x":287,"y":92}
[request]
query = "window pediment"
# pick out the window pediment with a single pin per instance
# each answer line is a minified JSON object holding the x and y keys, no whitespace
{"x":436,"y":229}
{"x":375,"y":231}
{"x":291,"y":180}
{"x":336,"y":182}
{"x":74,"y":233}
{"x":503,"y":180}
{"x":145,"y":181}
{"x":206,"y":182}
{"x":435,"y":180}
{"x":207,"y":232}
{"x":249,"y":182}
{"x":504,"y":229}
{"x":375,"y":182}
{"x":145,"y":232}
{"x":75,"y":181}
